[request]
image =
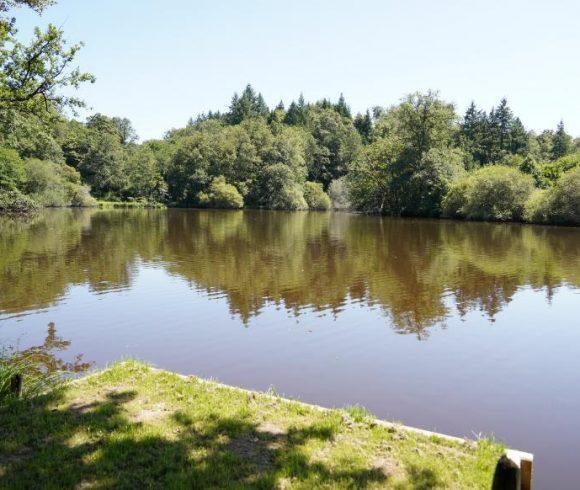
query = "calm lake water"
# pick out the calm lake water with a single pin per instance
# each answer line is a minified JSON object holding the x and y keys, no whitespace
{"x":463,"y":328}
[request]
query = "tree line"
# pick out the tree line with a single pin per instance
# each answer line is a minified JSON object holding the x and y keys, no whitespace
{"x":416,"y":158}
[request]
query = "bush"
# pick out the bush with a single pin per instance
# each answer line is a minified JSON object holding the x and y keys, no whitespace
{"x":221,"y":195}
{"x":55,"y":185}
{"x":338,"y":193}
{"x":13,"y":201}
{"x":277,"y":189}
{"x":12,"y":174}
{"x":560,"y":204}
{"x":80,"y":197}
{"x":315,"y":196}
{"x":290,"y":198}
{"x":537,"y":207}
{"x":494,"y":192}
{"x":552,"y":171}
{"x":431,"y":180}
{"x":455,"y":201}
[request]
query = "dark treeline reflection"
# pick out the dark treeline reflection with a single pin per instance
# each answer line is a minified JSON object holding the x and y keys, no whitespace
{"x":410,"y":268}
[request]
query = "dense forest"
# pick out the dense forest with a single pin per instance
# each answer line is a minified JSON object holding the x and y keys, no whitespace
{"x":417,"y":158}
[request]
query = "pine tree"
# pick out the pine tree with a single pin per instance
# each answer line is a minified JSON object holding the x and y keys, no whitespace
{"x":260,"y":107}
{"x":249,"y":104}
{"x":342,"y":108}
{"x":504,"y":117}
{"x":562,"y":142}
{"x":518,"y":137}
{"x":364,"y":126}
{"x":472,"y":133}
{"x":297,"y":113}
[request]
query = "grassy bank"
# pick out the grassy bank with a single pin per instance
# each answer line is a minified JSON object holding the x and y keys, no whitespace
{"x":129,"y":204}
{"x":132,"y":426}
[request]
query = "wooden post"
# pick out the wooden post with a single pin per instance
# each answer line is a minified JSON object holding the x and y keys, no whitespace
{"x":513,"y":471}
{"x":526,"y":468}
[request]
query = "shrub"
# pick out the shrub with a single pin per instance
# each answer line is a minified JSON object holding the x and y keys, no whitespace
{"x":221,"y":195}
{"x":552,"y":171}
{"x":55,"y":185}
{"x":12,"y":174}
{"x":494,"y":192}
{"x":530,"y":166}
{"x":431,"y":180}
{"x":13,"y":201}
{"x":277,"y":188}
{"x":560,"y":204}
{"x":315,"y":196}
{"x":455,"y":201}
{"x":80,"y":197}
{"x":338,"y":193}
{"x":290,"y":198}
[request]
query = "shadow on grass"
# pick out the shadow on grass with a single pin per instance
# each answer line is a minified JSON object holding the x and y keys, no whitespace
{"x":98,"y":444}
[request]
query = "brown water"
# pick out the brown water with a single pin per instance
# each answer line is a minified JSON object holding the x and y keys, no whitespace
{"x":463,"y":328}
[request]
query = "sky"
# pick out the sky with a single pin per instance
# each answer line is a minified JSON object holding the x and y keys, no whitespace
{"x":160,"y":62}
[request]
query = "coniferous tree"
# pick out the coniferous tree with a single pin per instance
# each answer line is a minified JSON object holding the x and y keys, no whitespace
{"x":249,"y":104}
{"x":504,"y":117}
{"x":472,"y":133}
{"x":297,"y":113}
{"x":260,"y":106}
{"x":518,"y":137}
{"x":562,"y":142}
{"x":342,"y":108}
{"x":364,"y":126}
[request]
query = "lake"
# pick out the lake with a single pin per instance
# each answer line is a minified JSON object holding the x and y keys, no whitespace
{"x":462,"y":328}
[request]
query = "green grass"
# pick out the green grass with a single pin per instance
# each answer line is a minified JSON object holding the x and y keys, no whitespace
{"x":36,"y":382}
{"x":134,"y":427}
{"x":129,"y":204}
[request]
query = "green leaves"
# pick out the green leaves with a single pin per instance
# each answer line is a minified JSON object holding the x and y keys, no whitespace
{"x":33,"y":75}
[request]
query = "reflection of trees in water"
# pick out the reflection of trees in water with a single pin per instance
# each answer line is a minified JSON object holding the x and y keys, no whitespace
{"x":44,"y":358}
{"x":295,"y":260}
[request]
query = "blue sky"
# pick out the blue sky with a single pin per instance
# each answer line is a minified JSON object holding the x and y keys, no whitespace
{"x":159,"y":63}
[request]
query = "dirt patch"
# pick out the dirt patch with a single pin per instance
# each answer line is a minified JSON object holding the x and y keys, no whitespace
{"x":271,"y":429}
{"x":385,"y":465}
{"x":151,"y":414}
{"x":253,"y":450}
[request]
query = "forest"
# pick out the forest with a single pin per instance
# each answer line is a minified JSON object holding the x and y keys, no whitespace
{"x":419,"y":157}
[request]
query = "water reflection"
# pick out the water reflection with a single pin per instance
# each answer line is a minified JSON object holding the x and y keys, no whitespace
{"x":45,"y":358}
{"x":418,"y":271}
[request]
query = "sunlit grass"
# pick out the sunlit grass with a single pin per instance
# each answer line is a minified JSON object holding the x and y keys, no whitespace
{"x":132,"y":426}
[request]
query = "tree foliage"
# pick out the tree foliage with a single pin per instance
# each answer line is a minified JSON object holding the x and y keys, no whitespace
{"x":32,"y":76}
{"x":12,"y":175}
{"x":221,"y":195}
{"x":493,"y":193}
{"x":416,"y":158}
{"x":315,"y":196}
{"x":559,"y":204}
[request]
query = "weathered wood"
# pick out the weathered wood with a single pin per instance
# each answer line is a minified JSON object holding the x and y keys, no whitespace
{"x":526,"y":469}
{"x":513,"y":471}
